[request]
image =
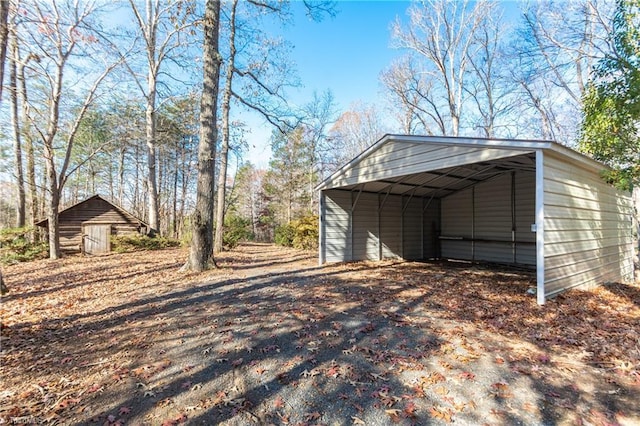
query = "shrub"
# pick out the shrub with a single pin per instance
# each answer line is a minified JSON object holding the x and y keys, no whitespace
{"x":16,"y":246}
{"x":301,"y":233}
{"x":306,"y":232}
{"x":129,"y":243}
{"x":236,"y":229}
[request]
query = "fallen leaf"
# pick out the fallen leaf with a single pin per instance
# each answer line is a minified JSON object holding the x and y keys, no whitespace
{"x":312,"y":416}
{"x":440,"y":414}
{"x":278,"y":403}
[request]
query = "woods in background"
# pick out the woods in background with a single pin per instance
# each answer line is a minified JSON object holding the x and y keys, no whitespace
{"x":119,"y":110}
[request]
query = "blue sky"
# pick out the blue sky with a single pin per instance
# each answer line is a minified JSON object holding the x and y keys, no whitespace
{"x":344,"y":54}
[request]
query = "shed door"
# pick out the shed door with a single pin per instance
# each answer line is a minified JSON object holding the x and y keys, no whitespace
{"x":97,"y":239}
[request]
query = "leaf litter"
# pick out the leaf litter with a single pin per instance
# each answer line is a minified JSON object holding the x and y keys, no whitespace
{"x":272,"y":338}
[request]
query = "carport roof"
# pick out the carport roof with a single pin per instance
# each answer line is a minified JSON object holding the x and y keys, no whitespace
{"x":437,"y":166}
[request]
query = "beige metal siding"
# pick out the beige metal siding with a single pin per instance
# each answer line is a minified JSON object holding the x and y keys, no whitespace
{"x":493,"y":220}
{"x":365,"y":226}
{"x":431,"y":227}
{"x":477,"y":223}
{"x":412,"y":229}
{"x":337,"y":226}
{"x":587,"y":232}
{"x":525,"y":193}
{"x":457,"y":220}
{"x":398,"y":159}
{"x":390,"y":221}
{"x":378,"y":224}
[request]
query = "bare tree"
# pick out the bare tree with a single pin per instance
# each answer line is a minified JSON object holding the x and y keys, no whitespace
{"x":14,"y":58}
{"x":163,"y":26}
{"x":554,"y":51}
{"x":59,"y":33}
{"x":353,"y":132}
{"x":318,"y":116}
{"x":411,"y":94}
{"x":440,"y":35}
{"x":256,"y":78}
{"x":488,"y":85}
{"x":224,"y":148}
{"x":201,"y":247}
{"x":4,"y":37}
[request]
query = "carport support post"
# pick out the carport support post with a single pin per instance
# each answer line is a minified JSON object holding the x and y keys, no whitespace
{"x":539,"y":227}
{"x":322,"y":258}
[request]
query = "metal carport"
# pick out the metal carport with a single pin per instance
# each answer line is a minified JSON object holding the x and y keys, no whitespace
{"x":525,"y":202}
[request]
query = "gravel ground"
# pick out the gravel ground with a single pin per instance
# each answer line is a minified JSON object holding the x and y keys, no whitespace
{"x":272,"y":338}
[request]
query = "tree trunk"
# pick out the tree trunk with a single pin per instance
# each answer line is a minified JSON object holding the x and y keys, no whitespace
{"x":151,"y":156}
{"x":35,"y":212}
{"x":174,"y":201}
{"x":4,"y":35}
{"x":636,"y":202}
{"x":186,"y":162}
{"x":17,"y":143}
{"x":121,"y":175}
{"x":52,"y":207}
{"x":201,"y":249}
{"x":3,"y":288}
{"x":224,"y":150}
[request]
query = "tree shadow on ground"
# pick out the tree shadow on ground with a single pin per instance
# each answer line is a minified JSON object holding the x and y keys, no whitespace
{"x":379,"y":343}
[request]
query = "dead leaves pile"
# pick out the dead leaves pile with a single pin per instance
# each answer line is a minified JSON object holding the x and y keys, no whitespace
{"x":273,"y":339}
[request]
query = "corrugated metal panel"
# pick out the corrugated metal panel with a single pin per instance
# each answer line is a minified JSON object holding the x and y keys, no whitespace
{"x":456,"y":221}
{"x":390,"y":220}
{"x":431,"y":227}
{"x":493,"y":220}
{"x":365,"y":226}
{"x":525,"y":202}
{"x":587,"y":235}
{"x":337,"y":244}
{"x":400,"y":159}
{"x":412,"y":229}
{"x":486,"y":215}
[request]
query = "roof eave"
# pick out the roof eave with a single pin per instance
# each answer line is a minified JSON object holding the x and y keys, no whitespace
{"x":515,"y":144}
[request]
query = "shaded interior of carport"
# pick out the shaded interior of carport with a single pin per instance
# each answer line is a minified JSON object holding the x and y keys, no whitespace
{"x":479,"y":211}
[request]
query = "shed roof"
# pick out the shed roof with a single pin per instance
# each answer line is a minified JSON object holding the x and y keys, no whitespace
{"x":44,"y":222}
{"x":438,"y":166}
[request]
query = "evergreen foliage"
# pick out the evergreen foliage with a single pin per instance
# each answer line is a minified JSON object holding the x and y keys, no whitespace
{"x":236,"y":230}
{"x":15,"y":246}
{"x":130,"y":243}
{"x":611,"y":124}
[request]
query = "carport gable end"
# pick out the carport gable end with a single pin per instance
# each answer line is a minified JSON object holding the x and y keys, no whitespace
{"x":525,"y":202}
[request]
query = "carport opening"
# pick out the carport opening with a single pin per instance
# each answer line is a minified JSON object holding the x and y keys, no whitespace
{"x":479,"y":212}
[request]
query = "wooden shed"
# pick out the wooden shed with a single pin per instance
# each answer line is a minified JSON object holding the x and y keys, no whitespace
{"x":87,"y":227}
{"x":536,"y":204}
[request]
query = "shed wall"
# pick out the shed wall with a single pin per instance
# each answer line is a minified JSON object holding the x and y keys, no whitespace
{"x":412,"y":239}
{"x":431,"y":228}
{"x":492,"y":221}
{"x":390,"y":218}
{"x":95,"y":211}
{"x":380,"y":226}
{"x":337,"y":225}
{"x":365,"y":226}
{"x":587,"y":234}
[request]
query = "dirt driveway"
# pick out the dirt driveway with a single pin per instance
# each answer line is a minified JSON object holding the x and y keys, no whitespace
{"x":272,"y":338}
